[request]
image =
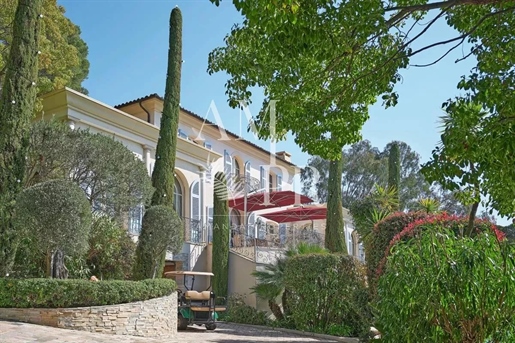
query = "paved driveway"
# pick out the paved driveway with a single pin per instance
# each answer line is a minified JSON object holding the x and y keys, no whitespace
{"x":11,"y":332}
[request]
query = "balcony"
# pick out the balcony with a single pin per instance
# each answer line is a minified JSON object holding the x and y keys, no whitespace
{"x":271,"y":243}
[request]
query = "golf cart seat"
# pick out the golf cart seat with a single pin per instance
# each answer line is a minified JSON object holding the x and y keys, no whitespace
{"x":197,"y":296}
{"x":206,"y":308}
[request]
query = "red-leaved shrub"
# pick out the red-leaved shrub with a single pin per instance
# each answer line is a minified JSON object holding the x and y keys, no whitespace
{"x":457,"y":224}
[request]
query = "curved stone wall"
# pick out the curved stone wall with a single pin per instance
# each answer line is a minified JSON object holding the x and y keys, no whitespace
{"x":150,"y":318}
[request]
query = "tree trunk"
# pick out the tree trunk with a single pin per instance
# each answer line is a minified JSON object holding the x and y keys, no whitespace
{"x":276,"y":310}
{"x":334,"y":238}
{"x":16,"y":111}
{"x":394,"y":172}
{"x":472,"y":218}
{"x":59,"y":270}
{"x":284,"y":300}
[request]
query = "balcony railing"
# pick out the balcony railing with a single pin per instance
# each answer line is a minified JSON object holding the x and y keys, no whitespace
{"x":270,"y":242}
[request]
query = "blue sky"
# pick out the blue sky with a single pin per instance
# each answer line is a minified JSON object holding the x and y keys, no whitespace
{"x":128,"y":45}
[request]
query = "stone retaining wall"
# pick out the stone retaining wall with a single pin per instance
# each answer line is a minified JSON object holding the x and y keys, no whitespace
{"x":151,"y":318}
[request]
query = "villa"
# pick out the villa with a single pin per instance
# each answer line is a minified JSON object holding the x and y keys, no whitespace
{"x":266,"y":215}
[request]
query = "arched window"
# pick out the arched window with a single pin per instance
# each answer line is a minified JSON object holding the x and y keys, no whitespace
{"x":237,"y":169}
{"x":196,"y":212}
{"x":178,"y":198}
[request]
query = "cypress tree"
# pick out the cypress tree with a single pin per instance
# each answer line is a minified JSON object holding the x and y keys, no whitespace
{"x":221,"y":235}
{"x":163,"y":175}
{"x":334,"y":239}
{"x":394,"y":169}
{"x":17,"y":103}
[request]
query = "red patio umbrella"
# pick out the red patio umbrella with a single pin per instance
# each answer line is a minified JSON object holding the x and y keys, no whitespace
{"x":261,"y":201}
{"x":297,"y":214}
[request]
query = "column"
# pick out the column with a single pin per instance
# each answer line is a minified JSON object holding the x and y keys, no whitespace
{"x":146,"y":158}
{"x":202,"y":174}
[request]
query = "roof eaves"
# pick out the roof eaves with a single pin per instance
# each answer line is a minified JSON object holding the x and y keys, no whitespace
{"x":206,"y":121}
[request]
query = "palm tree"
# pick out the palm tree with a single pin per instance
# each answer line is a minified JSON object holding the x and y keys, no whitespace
{"x":271,"y":280}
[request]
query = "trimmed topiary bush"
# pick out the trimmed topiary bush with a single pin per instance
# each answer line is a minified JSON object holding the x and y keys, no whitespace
{"x":327,"y":294}
{"x":55,"y":293}
{"x":440,"y":286}
{"x":58,"y":216}
{"x":380,"y":238}
{"x":162,"y":229}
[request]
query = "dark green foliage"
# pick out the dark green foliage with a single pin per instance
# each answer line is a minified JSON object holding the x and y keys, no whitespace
{"x":334,"y":240}
{"x":163,"y":174}
{"x":57,"y":215}
{"x":221,"y":235}
{"x":443,"y":287}
{"x":328,"y":294}
{"x":239,"y":312}
{"x":270,"y":280}
{"x":394,"y":169}
{"x":54,"y":293}
{"x":17,"y":103}
{"x":111,"y":251}
{"x":162,"y":229}
{"x":379,"y":240}
{"x":86,"y":158}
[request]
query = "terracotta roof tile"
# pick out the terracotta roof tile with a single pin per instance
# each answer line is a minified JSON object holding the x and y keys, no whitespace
{"x":156,"y":96}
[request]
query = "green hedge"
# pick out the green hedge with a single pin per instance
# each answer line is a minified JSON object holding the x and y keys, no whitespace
{"x":328,"y":294}
{"x":56,"y":293}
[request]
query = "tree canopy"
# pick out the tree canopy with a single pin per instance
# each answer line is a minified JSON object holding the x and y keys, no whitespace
{"x":320,"y":86}
{"x":57,"y":152}
{"x":366,"y":166}
{"x":341,"y":56}
{"x":63,"y":58}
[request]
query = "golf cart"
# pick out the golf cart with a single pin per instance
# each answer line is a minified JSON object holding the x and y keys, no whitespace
{"x":199,"y":308}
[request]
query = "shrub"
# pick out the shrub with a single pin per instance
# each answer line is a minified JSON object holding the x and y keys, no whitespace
{"x":443,"y":287}
{"x":94,"y":161}
{"x":457,"y":224}
{"x":57,"y":215}
{"x":239,"y":312}
{"x":380,"y":238}
{"x":111,"y":250}
{"x":161,"y":230}
{"x":327,"y":294}
{"x":56,"y":293}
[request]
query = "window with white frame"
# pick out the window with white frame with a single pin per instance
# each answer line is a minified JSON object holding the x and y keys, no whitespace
{"x":262,"y":177}
{"x":178,"y":198}
{"x":236,"y":166}
{"x":196,"y":213}
{"x":135,"y":220}
{"x":279,"y":185}
{"x":228,"y":167}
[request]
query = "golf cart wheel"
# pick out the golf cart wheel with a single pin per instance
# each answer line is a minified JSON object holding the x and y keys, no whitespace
{"x":211,"y":326}
{"x":182,"y":323}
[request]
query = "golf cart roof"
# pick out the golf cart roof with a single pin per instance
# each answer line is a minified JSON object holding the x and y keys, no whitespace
{"x":186,"y":272}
